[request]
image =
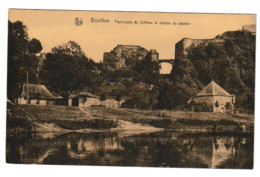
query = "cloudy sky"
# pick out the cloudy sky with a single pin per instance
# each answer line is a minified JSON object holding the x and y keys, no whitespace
{"x":53,"y":28}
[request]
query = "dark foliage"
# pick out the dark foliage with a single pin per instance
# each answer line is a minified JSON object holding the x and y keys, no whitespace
{"x":35,"y":46}
{"x":231,"y":64}
{"x":165,"y":97}
{"x":67,"y":69}
{"x":203,"y":107}
{"x":21,"y":58}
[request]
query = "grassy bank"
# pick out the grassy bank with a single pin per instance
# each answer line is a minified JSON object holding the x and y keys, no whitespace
{"x":184,"y":121}
{"x":74,"y":118}
{"x":70,"y":118}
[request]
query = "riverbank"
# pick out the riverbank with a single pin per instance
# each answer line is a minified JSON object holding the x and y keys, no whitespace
{"x":99,"y":119}
{"x":185,"y":121}
{"x":63,"y":119}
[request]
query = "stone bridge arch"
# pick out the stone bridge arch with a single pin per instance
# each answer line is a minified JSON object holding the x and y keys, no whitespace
{"x":166,"y":65}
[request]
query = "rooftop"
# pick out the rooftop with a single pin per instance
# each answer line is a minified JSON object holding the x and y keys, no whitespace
{"x":83,"y":94}
{"x":36,"y":91}
{"x":213,"y":89}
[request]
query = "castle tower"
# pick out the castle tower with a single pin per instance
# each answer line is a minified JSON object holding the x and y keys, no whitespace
{"x":154,"y":55}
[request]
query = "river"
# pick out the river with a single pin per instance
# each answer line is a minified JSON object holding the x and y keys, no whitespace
{"x":161,"y":149}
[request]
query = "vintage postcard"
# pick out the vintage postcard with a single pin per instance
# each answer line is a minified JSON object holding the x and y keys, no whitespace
{"x":131,"y":89}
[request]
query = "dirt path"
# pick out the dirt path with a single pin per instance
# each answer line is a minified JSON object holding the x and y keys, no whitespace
{"x":127,"y":128}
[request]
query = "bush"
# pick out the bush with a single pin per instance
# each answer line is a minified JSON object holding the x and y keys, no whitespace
{"x":19,"y":123}
{"x":229,"y":107}
{"x":203,"y":107}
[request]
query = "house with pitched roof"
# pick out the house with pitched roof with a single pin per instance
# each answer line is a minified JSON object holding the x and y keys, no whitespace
{"x":36,"y":94}
{"x":215,"y":96}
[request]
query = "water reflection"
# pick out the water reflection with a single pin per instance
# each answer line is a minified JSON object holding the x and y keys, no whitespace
{"x":162,"y":149}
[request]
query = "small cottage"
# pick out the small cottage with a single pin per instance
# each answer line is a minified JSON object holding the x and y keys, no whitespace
{"x":36,"y":94}
{"x":217,"y":97}
{"x":83,"y":99}
{"x":111,"y":103}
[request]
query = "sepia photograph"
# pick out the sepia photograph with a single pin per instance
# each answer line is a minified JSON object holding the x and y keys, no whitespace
{"x":133,"y":89}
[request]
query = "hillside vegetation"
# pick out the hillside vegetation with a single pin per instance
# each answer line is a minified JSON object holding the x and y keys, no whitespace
{"x":231,"y":64}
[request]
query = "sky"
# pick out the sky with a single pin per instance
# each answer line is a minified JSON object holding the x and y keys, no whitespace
{"x":54,"y":28}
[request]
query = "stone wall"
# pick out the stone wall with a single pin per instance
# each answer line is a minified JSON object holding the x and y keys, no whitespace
{"x":88,"y":102}
{"x":181,"y":47}
{"x":251,"y":28}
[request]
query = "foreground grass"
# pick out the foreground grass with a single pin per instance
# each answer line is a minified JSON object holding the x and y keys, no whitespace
{"x":74,"y":118}
{"x":184,"y":121}
{"x":70,"y":118}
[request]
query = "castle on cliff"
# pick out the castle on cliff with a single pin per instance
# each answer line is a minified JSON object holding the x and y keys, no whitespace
{"x":126,"y":56}
{"x":181,"y":47}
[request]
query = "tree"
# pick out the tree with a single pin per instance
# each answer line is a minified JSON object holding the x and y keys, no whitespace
{"x":184,"y":81}
{"x":21,"y":58}
{"x":34,"y":46}
{"x":228,"y":106}
{"x":203,"y":107}
{"x":137,"y":96}
{"x":103,"y":96}
{"x":165,"y":97}
{"x":148,"y":71}
{"x":67,"y":69}
{"x":191,"y":105}
{"x":70,"y":48}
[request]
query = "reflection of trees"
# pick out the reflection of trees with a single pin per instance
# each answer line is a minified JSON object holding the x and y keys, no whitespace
{"x":162,"y":151}
{"x":13,"y":150}
{"x":155,"y":149}
{"x":26,"y":149}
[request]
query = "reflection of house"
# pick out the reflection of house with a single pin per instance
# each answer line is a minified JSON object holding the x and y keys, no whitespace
{"x":212,"y":153}
{"x":215,"y":96}
{"x":223,"y":149}
{"x":83,"y":99}
{"x":37,"y":94}
{"x":81,"y":149}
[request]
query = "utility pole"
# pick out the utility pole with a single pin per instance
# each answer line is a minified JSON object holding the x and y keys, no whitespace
{"x":149,"y":87}
{"x":27,"y":87}
{"x":147,"y":99}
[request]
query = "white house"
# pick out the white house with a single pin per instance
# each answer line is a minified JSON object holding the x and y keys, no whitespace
{"x":215,"y":96}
